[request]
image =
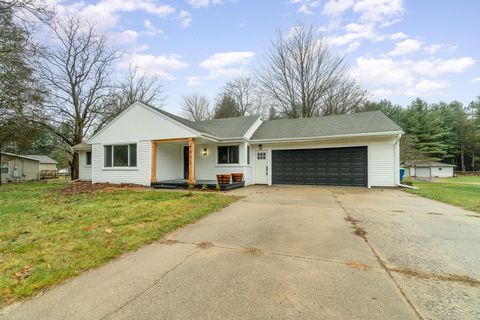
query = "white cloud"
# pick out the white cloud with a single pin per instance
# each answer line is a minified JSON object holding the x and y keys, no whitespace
{"x":383,"y":71}
{"x":433,"y":48}
{"x":398,"y":36}
{"x":205,"y":3}
{"x":380,"y":11}
{"x":151,"y":29}
{"x":306,"y":6}
{"x":304,"y":9}
{"x":152,"y":65}
{"x":194,"y":81}
{"x":475,"y":80}
{"x":406,"y":47}
{"x":337,"y":7}
{"x":355,"y":32}
{"x":437,"y":67}
{"x":105,"y":13}
{"x":427,"y":88}
{"x":185,"y":18}
{"x":124,"y":37}
{"x":227,"y":64}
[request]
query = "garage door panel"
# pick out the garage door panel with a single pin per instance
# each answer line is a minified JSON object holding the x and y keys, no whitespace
{"x":332,"y":166}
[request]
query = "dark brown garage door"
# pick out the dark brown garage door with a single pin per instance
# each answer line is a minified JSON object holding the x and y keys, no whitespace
{"x":333,"y":166}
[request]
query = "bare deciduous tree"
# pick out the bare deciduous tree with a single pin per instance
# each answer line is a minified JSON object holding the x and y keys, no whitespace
{"x":75,"y":69}
{"x":345,"y":97}
{"x":196,"y":107}
{"x":302,"y":74}
{"x":243,"y":91}
{"x":133,"y":87}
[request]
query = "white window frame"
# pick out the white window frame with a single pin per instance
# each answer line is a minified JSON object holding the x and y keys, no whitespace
{"x":113,"y":145}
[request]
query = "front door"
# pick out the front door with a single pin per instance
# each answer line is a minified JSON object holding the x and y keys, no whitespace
{"x":185,"y":162}
{"x":261,"y":167}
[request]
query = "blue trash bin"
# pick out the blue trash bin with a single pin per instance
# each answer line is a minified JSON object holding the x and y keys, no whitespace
{"x":402,"y":173}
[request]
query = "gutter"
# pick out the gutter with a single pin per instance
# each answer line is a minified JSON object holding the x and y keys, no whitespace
{"x":300,"y":139}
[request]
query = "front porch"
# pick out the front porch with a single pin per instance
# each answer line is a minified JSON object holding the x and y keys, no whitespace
{"x":183,"y":183}
{"x":184,"y":162}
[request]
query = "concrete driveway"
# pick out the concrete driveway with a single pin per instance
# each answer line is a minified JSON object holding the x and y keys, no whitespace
{"x":291,"y":253}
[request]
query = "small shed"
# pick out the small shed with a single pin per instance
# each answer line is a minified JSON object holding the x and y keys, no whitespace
{"x":19,"y":168}
{"x":48,"y":166}
{"x":428,"y":169}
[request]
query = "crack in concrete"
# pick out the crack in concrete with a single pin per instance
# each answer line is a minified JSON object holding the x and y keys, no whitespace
{"x":149,"y":287}
{"x":382,"y":263}
{"x":244,"y":250}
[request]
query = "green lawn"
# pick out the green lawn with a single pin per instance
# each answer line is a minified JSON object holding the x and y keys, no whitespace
{"x":47,"y":236}
{"x":460,"y":191}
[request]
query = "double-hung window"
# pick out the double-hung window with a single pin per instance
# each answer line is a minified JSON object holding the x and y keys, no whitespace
{"x":124,"y":155}
{"x":228,"y":155}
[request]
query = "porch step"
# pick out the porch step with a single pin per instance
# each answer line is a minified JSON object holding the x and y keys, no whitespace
{"x":163,"y":186}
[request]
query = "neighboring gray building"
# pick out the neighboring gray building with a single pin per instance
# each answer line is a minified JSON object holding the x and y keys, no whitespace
{"x":428,"y":169}
{"x":19,"y":168}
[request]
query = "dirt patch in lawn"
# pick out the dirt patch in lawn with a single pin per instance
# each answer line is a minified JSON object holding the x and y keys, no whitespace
{"x":85,"y":187}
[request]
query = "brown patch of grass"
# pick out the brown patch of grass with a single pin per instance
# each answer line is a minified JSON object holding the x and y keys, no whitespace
{"x":442,"y":277}
{"x":85,"y":187}
{"x":252,"y":251}
{"x":168,"y":242}
{"x":205,"y":245}
{"x":357,"y":265}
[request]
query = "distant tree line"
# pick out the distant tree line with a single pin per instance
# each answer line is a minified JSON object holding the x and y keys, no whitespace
{"x":446,"y":132}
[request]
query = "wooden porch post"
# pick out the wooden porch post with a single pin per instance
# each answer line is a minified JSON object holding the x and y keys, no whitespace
{"x":191,"y":161}
{"x":153,"y":176}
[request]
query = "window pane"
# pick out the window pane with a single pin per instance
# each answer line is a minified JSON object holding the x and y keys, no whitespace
{"x":120,"y":156}
{"x":248,"y":154}
{"x":4,"y":167}
{"x":89,"y":158}
{"x":233,"y":155}
{"x":222,"y":154}
{"x":133,"y":155}
{"x":108,"y":156}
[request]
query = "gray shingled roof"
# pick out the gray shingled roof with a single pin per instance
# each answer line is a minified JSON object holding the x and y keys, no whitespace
{"x":357,"y":123}
{"x":42,"y":159}
{"x":421,"y":164}
{"x":222,"y":128}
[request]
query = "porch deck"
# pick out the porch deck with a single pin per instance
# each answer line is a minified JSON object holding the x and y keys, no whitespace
{"x":183,"y":183}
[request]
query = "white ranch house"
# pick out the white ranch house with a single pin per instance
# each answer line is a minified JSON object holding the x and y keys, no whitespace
{"x":148,"y":146}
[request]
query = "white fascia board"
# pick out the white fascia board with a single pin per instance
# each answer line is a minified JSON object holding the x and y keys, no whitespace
{"x":252,"y":129}
{"x":339,"y":136}
{"x":141,"y":104}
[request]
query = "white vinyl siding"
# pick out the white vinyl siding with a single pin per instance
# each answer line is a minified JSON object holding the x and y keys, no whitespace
{"x":85,"y":171}
{"x":206,"y":167}
{"x":136,"y":175}
{"x":169,"y":161}
{"x":442,"y":172}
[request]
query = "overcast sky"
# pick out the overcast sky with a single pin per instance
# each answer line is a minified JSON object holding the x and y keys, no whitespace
{"x":397,"y":49}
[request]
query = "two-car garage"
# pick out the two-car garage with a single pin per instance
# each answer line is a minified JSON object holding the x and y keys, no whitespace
{"x":328,"y":166}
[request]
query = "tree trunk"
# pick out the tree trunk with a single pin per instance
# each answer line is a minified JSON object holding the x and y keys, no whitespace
{"x":473,"y":160}
{"x":74,"y":166}
{"x":462,"y":156}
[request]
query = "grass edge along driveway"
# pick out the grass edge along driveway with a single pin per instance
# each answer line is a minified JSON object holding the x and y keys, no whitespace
{"x":462,"y":192}
{"x":47,"y":236}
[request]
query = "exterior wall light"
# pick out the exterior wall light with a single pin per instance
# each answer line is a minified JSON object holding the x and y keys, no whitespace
{"x":204,"y":151}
